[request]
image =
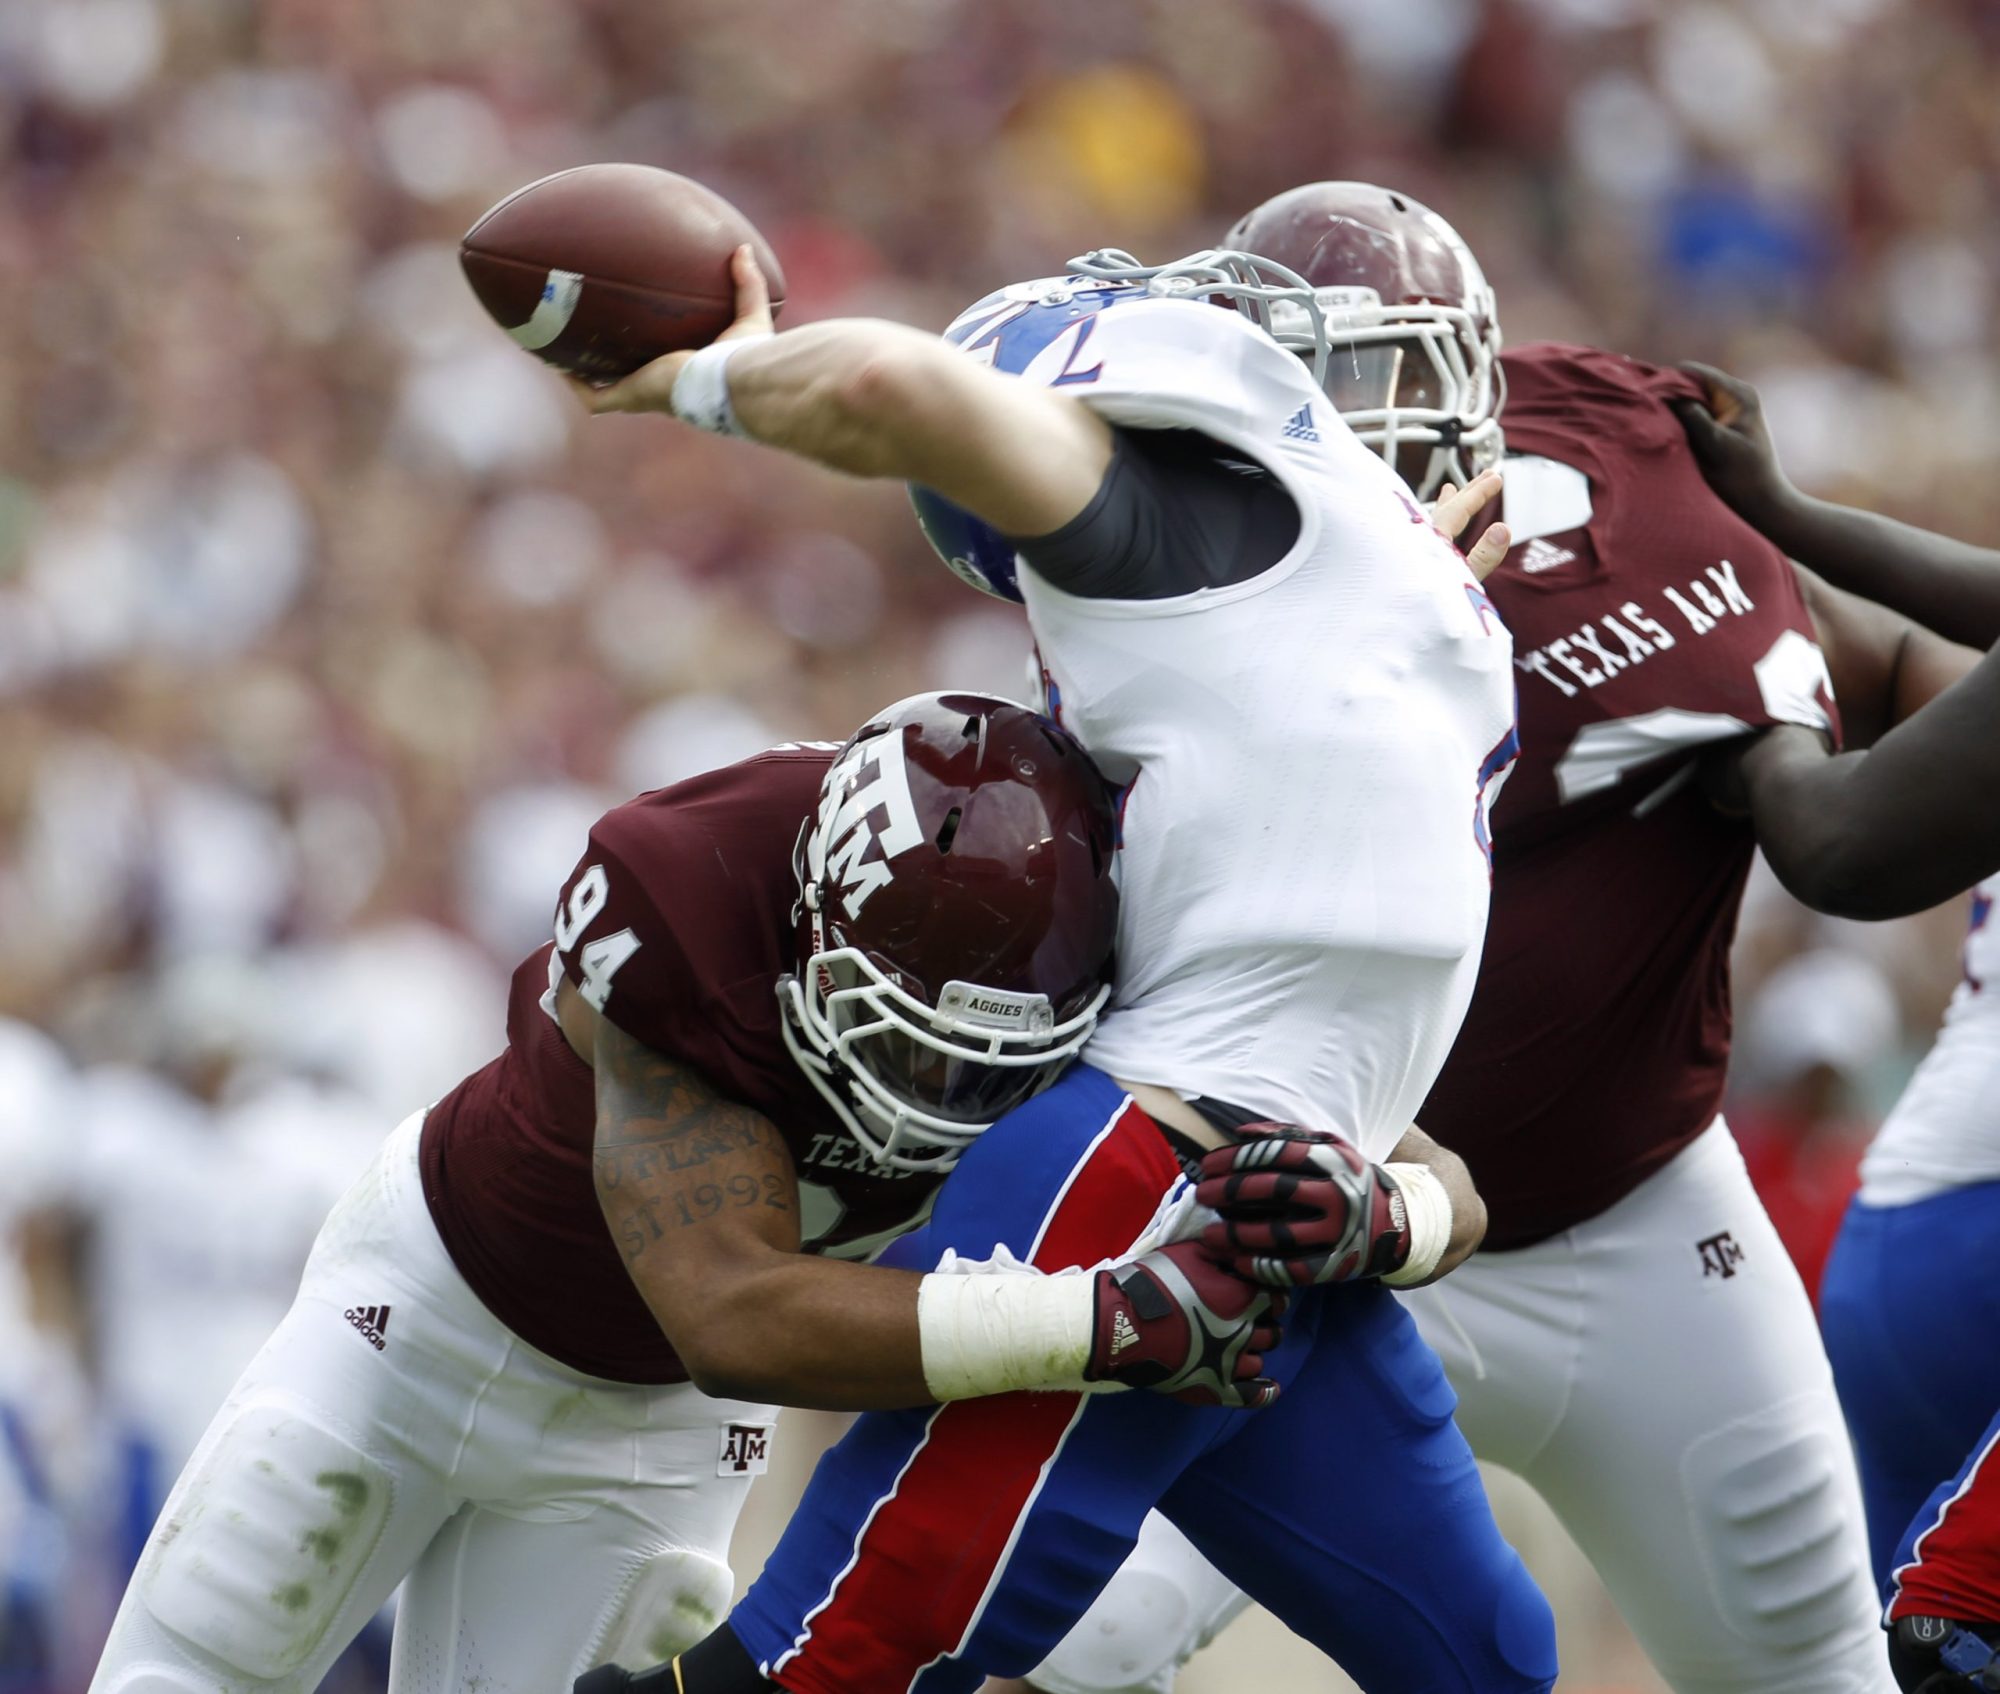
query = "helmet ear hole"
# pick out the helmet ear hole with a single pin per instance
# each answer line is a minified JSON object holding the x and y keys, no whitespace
{"x":948,"y":830}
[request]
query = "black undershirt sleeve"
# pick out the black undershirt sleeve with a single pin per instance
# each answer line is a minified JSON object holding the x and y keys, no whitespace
{"x":1176,"y":511}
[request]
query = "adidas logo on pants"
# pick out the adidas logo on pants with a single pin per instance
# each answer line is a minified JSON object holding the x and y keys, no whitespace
{"x":372,"y":1321}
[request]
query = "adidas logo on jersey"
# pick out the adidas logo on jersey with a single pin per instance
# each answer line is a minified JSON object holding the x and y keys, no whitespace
{"x":1299,"y":426}
{"x":372,"y":1321}
{"x":1123,"y":1334}
{"x":1540,"y":555}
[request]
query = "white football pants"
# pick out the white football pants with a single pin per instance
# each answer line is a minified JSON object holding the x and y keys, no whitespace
{"x":392,"y":1427}
{"x":1657,"y":1376}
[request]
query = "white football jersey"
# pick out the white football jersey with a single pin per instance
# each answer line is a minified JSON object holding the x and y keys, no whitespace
{"x":1310,"y":754}
{"x":1944,"y":1132}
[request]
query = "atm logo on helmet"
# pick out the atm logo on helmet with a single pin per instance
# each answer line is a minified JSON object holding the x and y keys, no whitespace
{"x":847,"y":828}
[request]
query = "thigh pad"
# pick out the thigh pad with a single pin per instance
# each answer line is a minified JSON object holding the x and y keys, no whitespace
{"x":265,"y":1540}
{"x":672,"y":1601}
{"x":1785,"y":1558}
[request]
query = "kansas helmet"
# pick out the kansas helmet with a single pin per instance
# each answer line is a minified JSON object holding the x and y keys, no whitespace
{"x":1012,"y":327}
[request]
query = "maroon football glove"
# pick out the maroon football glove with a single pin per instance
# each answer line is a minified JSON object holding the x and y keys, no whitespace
{"x":1178,"y":1323}
{"x":1301,"y":1207}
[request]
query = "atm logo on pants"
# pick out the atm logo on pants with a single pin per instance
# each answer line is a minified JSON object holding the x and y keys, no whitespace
{"x":1719,"y":1255}
{"x":746,"y":1450}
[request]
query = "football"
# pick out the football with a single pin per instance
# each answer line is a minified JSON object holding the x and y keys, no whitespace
{"x":603,"y":268}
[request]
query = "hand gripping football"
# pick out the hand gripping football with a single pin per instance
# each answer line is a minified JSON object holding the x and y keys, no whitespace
{"x":601,"y":269}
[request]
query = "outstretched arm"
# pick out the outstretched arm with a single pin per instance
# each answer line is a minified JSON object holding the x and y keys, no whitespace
{"x":1884,"y":667}
{"x":1947,"y":586}
{"x":1893,"y":830}
{"x":1861,"y":857}
{"x":877,"y":399}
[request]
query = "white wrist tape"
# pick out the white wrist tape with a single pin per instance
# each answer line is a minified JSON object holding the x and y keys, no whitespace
{"x":1428,"y":1208}
{"x":992,"y":1334}
{"x":701,"y":391}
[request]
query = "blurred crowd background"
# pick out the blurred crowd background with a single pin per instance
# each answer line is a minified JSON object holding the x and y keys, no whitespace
{"x":327,"y":623}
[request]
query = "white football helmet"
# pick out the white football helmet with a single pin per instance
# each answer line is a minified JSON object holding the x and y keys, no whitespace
{"x":1414,"y":327}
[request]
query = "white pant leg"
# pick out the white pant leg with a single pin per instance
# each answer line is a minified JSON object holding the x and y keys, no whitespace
{"x":336,"y":1463}
{"x":1656,"y":1374}
{"x":1163,"y":1606}
{"x":614,"y":1547}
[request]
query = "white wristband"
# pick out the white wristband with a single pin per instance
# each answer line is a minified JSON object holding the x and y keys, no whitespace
{"x":992,"y":1334}
{"x":701,"y":391}
{"x":1428,"y":1208}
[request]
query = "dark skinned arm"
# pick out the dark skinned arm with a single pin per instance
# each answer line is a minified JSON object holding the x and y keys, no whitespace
{"x":701,"y":1197}
{"x":1468,"y":1210}
{"x":1945,"y":585}
{"x":1896,"y":829}
{"x":1859,"y":853}
{"x":1884,"y":666}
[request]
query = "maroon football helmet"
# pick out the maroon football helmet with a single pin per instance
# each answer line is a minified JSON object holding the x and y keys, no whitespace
{"x":956,"y":921}
{"x":1415,"y":334}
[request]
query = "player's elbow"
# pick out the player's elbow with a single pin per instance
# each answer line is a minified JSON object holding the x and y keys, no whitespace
{"x":722,"y":1371}
{"x":730,"y":1346}
{"x":880,"y":409}
{"x":1833,"y":872}
{"x":700,"y":1309}
{"x":1827,"y":839}
{"x":723,"y":1358}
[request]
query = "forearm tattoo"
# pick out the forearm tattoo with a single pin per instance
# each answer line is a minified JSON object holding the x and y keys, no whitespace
{"x":672,"y":1153}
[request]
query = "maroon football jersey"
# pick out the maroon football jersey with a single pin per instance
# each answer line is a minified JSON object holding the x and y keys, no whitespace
{"x":676,"y":925}
{"x":1651,"y":625}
